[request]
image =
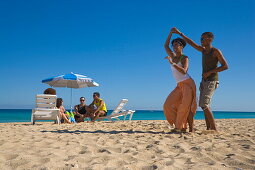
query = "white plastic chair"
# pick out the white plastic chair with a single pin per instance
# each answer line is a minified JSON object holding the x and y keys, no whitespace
{"x":118,"y":111}
{"x":45,"y":108}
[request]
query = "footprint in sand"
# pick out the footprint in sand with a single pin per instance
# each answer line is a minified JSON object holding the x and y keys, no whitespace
{"x":2,"y":142}
{"x":45,"y":160}
{"x":205,"y":132}
{"x":156,"y":142}
{"x":246,"y":146}
{"x":117,"y":150}
{"x":135,"y":153}
{"x":188,"y":161}
{"x":149,"y":146}
{"x":70,"y":158}
{"x":83,"y":150}
{"x":170,"y":161}
{"x":152,"y":167}
{"x":18,"y":162}
{"x":10,"y":156}
{"x":104,"y":151}
{"x":195,"y":148}
{"x":229,"y":155}
{"x":127,"y":151}
{"x":180,"y":150}
{"x":237,"y":164}
{"x":109,"y":168}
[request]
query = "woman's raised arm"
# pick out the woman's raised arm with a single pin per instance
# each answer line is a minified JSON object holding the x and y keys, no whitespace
{"x":167,"y":43}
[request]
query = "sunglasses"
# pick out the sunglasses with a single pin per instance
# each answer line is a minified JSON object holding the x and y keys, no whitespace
{"x":176,"y":44}
{"x":203,"y":39}
{"x":82,"y":100}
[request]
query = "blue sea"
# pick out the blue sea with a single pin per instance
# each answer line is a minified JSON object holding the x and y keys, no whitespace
{"x":24,"y":115}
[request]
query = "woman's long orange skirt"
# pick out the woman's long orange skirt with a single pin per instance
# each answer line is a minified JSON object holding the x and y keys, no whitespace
{"x":180,"y":103}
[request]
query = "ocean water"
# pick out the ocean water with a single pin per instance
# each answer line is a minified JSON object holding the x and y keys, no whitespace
{"x":24,"y":115}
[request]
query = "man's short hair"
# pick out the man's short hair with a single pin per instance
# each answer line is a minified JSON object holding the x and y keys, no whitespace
{"x":82,"y":98}
{"x":179,"y":41}
{"x":209,"y":34}
{"x":96,"y":94}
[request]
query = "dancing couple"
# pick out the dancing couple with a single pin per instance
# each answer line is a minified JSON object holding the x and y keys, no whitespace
{"x":180,"y":106}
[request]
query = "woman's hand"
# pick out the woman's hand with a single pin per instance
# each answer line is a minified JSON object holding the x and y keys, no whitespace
{"x":169,"y":59}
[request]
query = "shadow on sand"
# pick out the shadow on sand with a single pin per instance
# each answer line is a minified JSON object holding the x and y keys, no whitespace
{"x":107,"y":132}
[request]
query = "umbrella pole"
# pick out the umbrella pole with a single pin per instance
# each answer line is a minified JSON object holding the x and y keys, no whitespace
{"x":71,"y":99}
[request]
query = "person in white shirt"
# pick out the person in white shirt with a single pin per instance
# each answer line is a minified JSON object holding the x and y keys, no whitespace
{"x":180,"y":106}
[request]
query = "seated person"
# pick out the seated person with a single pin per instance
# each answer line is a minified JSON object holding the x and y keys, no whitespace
{"x":81,"y":111}
{"x":62,"y":110}
{"x":50,"y":91}
{"x":101,"y":109}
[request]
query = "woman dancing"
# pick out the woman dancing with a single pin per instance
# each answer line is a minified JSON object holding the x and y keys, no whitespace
{"x":180,"y":106}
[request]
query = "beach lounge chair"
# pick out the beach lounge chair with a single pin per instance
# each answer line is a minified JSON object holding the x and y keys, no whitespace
{"x":118,"y":112}
{"x":45,"y":108}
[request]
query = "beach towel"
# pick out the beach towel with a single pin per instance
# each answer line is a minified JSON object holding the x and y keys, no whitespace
{"x":71,"y":117}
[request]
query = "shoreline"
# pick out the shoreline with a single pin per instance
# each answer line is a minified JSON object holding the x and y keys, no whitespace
{"x":134,"y":144}
{"x":122,"y":121}
{"x":157,"y":110}
{"x":38,"y":122}
{"x":12,"y":116}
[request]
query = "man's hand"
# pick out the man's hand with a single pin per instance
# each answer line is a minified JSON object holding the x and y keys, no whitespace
{"x":188,"y":40}
{"x":94,"y":114}
{"x":175,"y":30}
{"x":207,"y":74}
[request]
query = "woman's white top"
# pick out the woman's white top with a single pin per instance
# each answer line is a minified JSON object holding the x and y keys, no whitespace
{"x":178,"y":75}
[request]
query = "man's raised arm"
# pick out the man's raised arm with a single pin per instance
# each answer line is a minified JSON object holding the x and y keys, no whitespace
{"x":188,"y":40}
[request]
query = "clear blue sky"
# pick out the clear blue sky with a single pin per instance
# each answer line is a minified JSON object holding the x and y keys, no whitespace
{"x":120,"y":45}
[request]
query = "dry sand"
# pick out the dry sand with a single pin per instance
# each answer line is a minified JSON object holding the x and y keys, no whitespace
{"x":127,"y":145}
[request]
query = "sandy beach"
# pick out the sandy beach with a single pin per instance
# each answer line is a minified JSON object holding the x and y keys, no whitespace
{"x":127,"y":145}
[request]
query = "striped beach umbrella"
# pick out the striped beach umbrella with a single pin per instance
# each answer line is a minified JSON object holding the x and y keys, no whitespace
{"x":70,"y":81}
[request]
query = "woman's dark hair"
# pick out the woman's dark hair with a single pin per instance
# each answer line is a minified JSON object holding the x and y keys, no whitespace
{"x":50,"y":91}
{"x":59,"y":102}
{"x":179,"y":41}
{"x":96,"y":94}
{"x":209,"y":34}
